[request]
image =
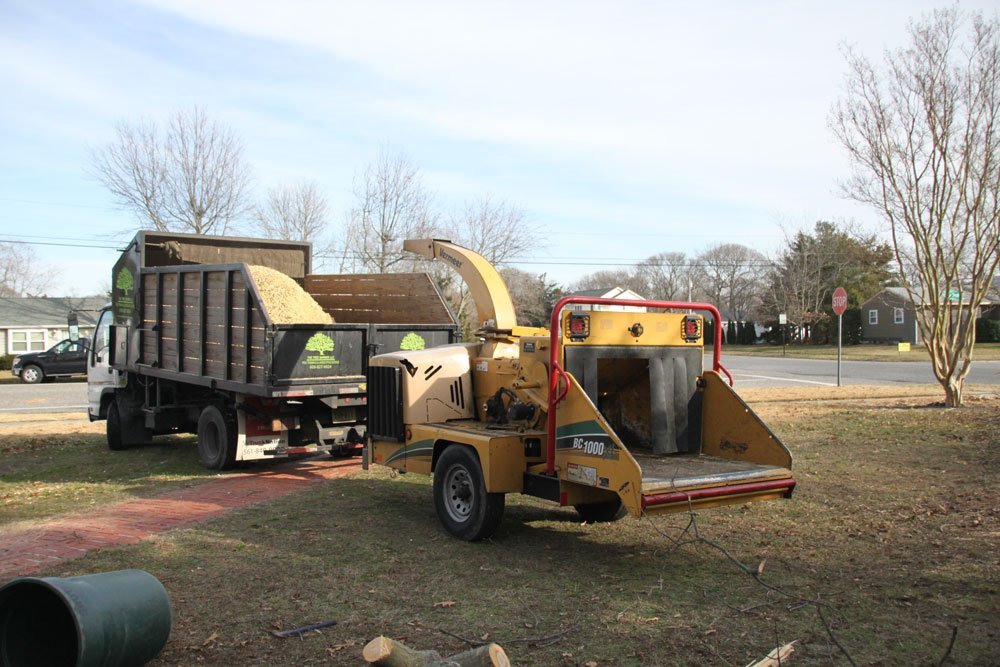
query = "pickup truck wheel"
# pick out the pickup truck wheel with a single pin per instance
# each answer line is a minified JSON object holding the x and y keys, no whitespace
{"x":610,"y":510}
{"x":464,"y":507}
{"x":32,"y":374}
{"x":216,"y":439}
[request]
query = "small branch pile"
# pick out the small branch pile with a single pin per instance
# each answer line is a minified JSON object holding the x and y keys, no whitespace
{"x":386,"y":652}
{"x":284,"y":299}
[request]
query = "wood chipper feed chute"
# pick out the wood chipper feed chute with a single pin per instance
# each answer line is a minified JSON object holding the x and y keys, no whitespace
{"x":644,"y":421}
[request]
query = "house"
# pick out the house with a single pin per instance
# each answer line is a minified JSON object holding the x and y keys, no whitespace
{"x":612,"y":293}
{"x":890,"y":316}
{"x":34,"y":324}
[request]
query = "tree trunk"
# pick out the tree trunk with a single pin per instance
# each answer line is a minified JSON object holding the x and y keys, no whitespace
{"x":953,"y":392}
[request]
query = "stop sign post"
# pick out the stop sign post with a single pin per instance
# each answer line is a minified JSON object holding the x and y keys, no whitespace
{"x":839,"y":306}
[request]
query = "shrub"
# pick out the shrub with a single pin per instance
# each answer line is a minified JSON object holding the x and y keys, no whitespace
{"x":987,"y":331}
{"x":6,"y":361}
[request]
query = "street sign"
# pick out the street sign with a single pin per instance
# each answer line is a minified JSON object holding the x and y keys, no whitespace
{"x":839,"y":301}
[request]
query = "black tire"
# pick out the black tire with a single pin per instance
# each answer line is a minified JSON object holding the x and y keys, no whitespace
{"x":114,"y":426}
{"x":603,"y":512}
{"x":32,"y":374}
{"x":216,"y":439}
{"x":464,"y":507}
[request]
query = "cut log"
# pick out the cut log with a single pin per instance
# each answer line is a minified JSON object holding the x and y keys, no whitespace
{"x":490,"y":655}
{"x":778,"y":656}
{"x":386,"y":652}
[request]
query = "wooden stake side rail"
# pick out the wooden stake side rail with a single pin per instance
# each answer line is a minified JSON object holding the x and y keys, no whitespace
{"x":203,"y":321}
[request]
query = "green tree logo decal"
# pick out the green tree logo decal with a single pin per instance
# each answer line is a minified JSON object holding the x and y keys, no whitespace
{"x":124,"y":280}
{"x":412,"y":341}
{"x":320,"y":343}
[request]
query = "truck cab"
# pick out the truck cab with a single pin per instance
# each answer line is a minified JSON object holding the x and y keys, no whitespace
{"x":102,"y":379}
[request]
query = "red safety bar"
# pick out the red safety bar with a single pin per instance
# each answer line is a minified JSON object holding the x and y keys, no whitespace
{"x":556,"y":371}
{"x":785,"y":485}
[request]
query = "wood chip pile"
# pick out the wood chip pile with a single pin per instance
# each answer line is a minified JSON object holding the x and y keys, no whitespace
{"x":284,"y":299}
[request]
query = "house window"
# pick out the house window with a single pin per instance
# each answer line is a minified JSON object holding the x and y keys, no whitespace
{"x":26,"y":341}
{"x":872,"y":317}
{"x":897,"y":315}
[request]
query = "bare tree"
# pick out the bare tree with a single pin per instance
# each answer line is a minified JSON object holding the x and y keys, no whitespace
{"x":666,"y":276}
{"x":20,"y":272}
{"x":922,"y":134}
{"x":731,"y":277}
{"x":391,"y":205}
{"x":293,"y":213}
{"x":532,"y":294}
{"x":608,"y":278}
{"x":190,"y":177}
{"x":497,"y":230}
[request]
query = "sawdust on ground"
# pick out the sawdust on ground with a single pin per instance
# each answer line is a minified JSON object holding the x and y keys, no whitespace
{"x":284,"y":299}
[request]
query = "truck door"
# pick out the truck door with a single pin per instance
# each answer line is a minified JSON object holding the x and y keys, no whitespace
{"x":101,"y":378}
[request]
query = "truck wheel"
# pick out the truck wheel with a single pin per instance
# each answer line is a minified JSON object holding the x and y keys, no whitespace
{"x":610,"y":510}
{"x":125,"y":428}
{"x":32,"y":374}
{"x":114,"y":426}
{"x":464,"y":507}
{"x":216,"y":439}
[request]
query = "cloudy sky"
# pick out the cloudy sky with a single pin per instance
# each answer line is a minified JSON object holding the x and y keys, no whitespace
{"x":622,"y":128}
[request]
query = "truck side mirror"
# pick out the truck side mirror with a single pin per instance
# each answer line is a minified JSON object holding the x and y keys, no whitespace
{"x":73,"y":324}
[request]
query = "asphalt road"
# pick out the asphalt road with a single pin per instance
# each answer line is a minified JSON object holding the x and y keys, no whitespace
{"x":60,"y":396}
{"x":71,"y":396}
{"x":781,"y":372}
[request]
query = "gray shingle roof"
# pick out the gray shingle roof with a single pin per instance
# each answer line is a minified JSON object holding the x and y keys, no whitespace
{"x":39,"y":311}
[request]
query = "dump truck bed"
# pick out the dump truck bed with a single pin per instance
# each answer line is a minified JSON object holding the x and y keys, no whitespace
{"x":187,"y":308}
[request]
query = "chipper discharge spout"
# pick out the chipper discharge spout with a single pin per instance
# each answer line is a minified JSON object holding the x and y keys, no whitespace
{"x":610,"y":411}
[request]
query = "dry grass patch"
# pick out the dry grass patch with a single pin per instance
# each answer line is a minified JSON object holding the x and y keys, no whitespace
{"x":892,"y":532}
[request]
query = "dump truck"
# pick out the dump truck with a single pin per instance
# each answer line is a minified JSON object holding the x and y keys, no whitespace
{"x":609,"y":411}
{"x":205,"y":335}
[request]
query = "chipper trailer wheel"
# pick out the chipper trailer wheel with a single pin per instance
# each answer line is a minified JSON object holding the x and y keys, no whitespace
{"x":216,"y":439}
{"x":610,"y":510}
{"x":464,"y":507}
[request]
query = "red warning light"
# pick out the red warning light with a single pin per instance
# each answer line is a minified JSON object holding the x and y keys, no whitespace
{"x":579,"y":326}
{"x":692,"y":328}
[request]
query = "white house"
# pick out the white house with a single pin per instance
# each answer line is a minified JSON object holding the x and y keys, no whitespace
{"x":34,"y":324}
{"x":613,"y":293}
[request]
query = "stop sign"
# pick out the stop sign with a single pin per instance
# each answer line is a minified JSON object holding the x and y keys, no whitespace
{"x":839,"y":301}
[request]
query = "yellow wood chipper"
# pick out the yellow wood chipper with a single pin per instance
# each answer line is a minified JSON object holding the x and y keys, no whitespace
{"x":609,"y":411}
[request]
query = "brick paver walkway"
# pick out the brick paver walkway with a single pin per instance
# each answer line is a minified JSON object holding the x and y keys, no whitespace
{"x":30,"y":550}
